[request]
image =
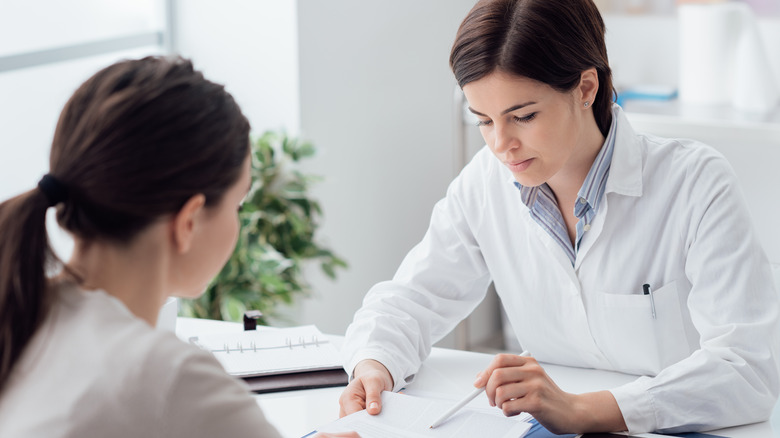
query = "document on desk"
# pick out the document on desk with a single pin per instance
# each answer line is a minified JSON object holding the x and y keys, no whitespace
{"x":271,"y":351}
{"x":406,"y":416}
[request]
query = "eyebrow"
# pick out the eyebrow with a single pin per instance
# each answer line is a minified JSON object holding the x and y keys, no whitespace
{"x":506,"y":111}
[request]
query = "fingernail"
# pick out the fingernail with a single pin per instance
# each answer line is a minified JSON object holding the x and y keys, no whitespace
{"x":373,"y":406}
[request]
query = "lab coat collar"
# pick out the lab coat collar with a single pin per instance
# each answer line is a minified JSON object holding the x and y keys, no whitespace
{"x":625,"y":173}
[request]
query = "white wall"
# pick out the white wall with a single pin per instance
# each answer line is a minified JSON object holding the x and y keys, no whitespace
{"x":252,"y":48}
{"x":376,"y":98}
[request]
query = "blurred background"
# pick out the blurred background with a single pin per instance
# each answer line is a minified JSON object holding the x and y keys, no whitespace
{"x":368,"y":83}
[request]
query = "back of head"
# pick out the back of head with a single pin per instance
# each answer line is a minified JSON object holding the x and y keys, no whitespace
{"x":550,"y":41}
{"x":133,"y":143}
{"x":137,"y":140}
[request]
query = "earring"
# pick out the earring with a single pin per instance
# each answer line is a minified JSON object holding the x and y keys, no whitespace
{"x":586,"y":104}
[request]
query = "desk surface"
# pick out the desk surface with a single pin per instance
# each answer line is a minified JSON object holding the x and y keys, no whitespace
{"x":296,"y":413}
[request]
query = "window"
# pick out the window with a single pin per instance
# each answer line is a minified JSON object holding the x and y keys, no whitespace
{"x":47,"y":49}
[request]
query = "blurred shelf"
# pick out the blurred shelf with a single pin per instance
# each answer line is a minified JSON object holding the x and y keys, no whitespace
{"x":671,"y":118}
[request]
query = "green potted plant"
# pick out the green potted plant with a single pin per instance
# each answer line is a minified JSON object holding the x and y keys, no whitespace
{"x":278,"y":223}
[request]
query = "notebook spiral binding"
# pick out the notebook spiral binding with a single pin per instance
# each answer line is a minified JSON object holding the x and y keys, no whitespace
{"x":288,"y":343}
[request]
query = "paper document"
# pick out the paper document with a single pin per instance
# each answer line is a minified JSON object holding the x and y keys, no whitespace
{"x":406,"y":416}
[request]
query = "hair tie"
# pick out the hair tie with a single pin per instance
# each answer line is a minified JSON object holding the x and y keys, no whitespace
{"x":54,"y":189}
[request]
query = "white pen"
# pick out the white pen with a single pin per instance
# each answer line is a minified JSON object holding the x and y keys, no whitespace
{"x":457,"y":407}
{"x":462,"y":403}
{"x":648,"y":291}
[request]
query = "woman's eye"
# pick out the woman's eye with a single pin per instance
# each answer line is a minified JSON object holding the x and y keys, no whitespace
{"x":525,"y":119}
{"x":484,"y":122}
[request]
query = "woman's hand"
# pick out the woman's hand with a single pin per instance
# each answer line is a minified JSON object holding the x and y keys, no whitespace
{"x":363,"y":392}
{"x":518,"y":384}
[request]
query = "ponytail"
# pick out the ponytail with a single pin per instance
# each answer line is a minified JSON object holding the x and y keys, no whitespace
{"x":24,"y":256}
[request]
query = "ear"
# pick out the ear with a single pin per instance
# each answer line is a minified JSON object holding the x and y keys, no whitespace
{"x":588,"y":87}
{"x":184,"y":222}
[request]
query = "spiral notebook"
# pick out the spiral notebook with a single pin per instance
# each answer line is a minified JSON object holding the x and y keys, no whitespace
{"x":299,"y":357}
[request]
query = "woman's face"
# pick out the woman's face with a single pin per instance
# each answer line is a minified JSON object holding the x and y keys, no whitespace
{"x":532,"y":128}
{"x":215,"y":237}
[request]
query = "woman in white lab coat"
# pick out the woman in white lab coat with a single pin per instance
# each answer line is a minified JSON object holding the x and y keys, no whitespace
{"x":570,"y":213}
{"x":149,"y":166}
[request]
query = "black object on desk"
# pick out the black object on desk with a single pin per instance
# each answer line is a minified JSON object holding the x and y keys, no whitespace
{"x":250,"y":319}
{"x":294,"y":381}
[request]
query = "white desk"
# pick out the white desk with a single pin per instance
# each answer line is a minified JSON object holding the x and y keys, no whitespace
{"x":446,"y":372}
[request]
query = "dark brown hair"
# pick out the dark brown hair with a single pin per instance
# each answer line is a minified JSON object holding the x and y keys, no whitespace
{"x":550,"y":41}
{"x":133,"y":143}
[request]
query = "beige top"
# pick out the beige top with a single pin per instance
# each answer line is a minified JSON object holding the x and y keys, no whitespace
{"x":95,"y":370}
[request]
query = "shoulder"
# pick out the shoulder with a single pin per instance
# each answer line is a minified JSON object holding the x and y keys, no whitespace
{"x":687,"y":161}
{"x":192,"y":392}
{"x":664,"y":163}
{"x":202,"y":399}
{"x":482,"y":178}
{"x":144,"y":364}
{"x":690,"y":150}
{"x":484,"y":164}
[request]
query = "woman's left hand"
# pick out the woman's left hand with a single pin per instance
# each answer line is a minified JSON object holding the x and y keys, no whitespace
{"x":517,"y":384}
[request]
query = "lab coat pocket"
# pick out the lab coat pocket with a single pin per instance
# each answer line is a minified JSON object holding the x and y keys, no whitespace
{"x":632,"y":339}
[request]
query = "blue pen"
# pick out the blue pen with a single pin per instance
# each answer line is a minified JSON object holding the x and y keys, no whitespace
{"x":648,"y":291}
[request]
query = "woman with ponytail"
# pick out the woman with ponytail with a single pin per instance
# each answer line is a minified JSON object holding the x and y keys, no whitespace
{"x":148,"y":168}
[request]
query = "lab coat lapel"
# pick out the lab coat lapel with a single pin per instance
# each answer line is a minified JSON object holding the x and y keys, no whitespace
{"x":574,"y":306}
{"x":554,"y":250}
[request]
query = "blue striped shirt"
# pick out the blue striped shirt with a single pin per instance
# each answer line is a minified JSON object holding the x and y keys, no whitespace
{"x":544,"y":208}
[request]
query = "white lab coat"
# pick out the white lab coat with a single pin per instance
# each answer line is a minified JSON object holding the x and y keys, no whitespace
{"x":673,"y":216}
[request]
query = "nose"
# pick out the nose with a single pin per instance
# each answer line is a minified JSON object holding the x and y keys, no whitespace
{"x":504,"y":139}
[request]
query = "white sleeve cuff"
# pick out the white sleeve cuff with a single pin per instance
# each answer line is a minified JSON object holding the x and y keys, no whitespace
{"x":399,"y":379}
{"x":637,"y":406}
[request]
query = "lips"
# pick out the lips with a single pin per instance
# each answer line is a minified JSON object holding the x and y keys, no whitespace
{"x":519,"y":166}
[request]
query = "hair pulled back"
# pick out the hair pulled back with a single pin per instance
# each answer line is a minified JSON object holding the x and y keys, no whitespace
{"x":133,"y":143}
{"x":550,"y":41}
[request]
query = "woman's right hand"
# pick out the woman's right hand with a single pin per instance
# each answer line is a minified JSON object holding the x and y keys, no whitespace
{"x":370,"y":378}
